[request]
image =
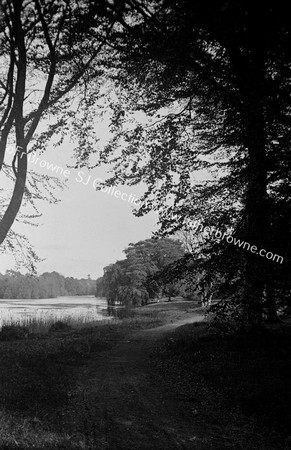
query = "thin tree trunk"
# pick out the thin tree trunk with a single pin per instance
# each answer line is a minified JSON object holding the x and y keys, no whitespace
{"x":271,"y":303}
{"x":17,"y":196}
{"x":17,"y":115}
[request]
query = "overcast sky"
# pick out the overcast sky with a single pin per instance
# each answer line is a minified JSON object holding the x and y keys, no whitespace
{"x":87,"y":230}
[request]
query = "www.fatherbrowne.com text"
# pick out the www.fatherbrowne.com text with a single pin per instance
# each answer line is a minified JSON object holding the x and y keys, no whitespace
{"x":213,"y":232}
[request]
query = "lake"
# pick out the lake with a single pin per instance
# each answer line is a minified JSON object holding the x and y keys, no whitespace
{"x":81,"y":308}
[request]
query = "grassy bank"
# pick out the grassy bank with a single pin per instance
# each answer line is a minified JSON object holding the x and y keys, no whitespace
{"x":232,"y":380}
{"x":226,"y":383}
{"x":39,"y":370}
{"x":151,"y":315}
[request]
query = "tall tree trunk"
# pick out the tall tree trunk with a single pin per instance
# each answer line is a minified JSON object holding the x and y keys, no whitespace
{"x":250,"y":70}
{"x":256,"y":219}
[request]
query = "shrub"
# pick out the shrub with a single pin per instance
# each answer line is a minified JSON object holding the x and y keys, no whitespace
{"x":13,"y":332}
{"x":60,"y":326}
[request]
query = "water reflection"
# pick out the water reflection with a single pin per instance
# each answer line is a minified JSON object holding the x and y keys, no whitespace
{"x":83,"y":309}
{"x":120,"y":312}
{"x":79,"y":308}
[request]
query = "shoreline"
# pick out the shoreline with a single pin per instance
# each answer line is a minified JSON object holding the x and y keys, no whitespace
{"x":148,"y":381}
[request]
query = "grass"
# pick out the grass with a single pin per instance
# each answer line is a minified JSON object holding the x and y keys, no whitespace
{"x":36,"y":377}
{"x":148,"y":316}
{"x":232,"y":382}
{"x":42,"y":323}
{"x":39,"y":369}
{"x":243,"y":379}
{"x":28,"y":433}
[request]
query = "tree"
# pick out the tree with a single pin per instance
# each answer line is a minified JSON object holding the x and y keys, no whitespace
{"x":148,"y":258}
{"x":132,"y":281}
{"x":214,"y":80}
{"x":47,"y":51}
{"x":115,"y":283}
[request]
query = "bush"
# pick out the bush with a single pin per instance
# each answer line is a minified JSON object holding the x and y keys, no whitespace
{"x":60,"y":326}
{"x":227,"y":317}
{"x":13,"y":332}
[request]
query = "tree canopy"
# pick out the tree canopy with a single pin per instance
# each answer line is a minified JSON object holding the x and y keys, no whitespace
{"x":213,"y":80}
{"x":47,"y":48}
{"x":131,"y":281}
{"x":200,"y":115}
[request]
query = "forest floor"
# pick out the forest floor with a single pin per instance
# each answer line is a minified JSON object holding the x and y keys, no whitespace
{"x":159,"y":380}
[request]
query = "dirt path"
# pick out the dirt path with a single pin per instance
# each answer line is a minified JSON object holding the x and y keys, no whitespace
{"x":121,"y":406}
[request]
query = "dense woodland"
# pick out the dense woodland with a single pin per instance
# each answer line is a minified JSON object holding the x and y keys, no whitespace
{"x":48,"y":285}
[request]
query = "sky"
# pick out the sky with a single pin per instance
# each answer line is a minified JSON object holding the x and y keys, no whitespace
{"x":87,"y":229}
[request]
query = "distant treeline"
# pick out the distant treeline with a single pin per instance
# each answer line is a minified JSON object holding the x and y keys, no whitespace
{"x":48,"y":285}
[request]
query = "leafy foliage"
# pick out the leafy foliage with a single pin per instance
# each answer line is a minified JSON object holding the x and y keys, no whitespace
{"x":46,"y":56}
{"x":131,"y":281}
{"x":204,"y":92}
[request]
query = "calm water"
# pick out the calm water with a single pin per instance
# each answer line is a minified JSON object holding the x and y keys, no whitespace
{"x":86,"y":308}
